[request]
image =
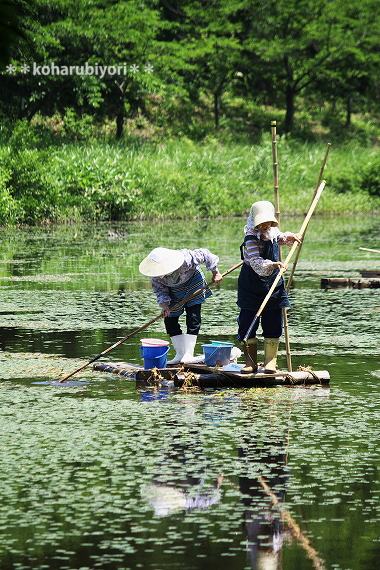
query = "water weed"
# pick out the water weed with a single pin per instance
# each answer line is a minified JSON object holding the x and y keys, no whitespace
{"x":106,"y":472}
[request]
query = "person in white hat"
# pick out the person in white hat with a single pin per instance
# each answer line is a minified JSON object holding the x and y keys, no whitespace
{"x":175,"y":274}
{"x":260,"y":253}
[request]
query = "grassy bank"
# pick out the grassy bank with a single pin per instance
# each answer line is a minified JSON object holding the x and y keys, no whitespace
{"x":180,"y":178}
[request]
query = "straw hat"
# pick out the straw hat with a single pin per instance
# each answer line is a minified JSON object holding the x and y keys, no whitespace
{"x":262,"y":212}
{"x":161,"y":261}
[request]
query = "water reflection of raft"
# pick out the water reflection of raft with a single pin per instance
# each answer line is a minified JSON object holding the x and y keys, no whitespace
{"x":354,"y":282}
{"x":213,"y":377}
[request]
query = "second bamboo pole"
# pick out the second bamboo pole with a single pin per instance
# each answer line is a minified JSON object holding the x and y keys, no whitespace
{"x":277,"y":208}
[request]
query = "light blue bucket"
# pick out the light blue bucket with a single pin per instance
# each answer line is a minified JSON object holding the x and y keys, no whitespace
{"x":154,"y":356}
{"x":217,"y":352}
{"x":218,"y":343}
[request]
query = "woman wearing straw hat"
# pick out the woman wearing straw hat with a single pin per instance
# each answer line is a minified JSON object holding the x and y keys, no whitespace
{"x":260,"y":253}
{"x":175,"y":274}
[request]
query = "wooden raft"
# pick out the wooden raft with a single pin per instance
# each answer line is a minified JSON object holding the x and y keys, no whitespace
{"x":354,"y":282}
{"x":370,"y":273}
{"x":208,"y":377}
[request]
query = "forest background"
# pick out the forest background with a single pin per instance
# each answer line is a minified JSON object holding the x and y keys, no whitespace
{"x":141,"y":109}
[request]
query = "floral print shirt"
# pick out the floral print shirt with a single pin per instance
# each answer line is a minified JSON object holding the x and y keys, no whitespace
{"x":193,"y":258}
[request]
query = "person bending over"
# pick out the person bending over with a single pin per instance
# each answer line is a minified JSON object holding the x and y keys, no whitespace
{"x":175,"y":274}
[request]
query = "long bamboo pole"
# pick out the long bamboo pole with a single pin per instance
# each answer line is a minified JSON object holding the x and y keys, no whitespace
{"x":176,"y":307}
{"x":288,"y":258}
{"x":275,"y":171}
{"x":277,"y":208}
{"x":372,"y":250}
{"x":291,"y":275}
{"x":278,"y":213}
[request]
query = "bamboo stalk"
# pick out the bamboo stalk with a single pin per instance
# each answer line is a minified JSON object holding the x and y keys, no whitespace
{"x":143,"y":327}
{"x":288,"y":258}
{"x":277,"y":207}
{"x":275,"y":171}
{"x":290,"y":278}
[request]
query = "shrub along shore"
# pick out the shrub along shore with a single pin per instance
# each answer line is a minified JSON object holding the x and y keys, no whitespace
{"x":98,"y":180}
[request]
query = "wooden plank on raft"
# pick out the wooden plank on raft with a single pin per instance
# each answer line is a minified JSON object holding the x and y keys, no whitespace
{"x":370,"y":272}
{"x":353,"y":282}
{"x":121,"y":368}
{"x":224,"y":380}
{"x":213,"y":377}
{"x":305,"y":374}
{"x":134,"y":371}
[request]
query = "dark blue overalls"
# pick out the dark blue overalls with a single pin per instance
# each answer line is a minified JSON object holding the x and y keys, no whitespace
{"x":252,"y":290}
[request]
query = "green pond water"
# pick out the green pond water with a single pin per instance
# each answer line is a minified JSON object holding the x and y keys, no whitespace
{"x":105,"y":472}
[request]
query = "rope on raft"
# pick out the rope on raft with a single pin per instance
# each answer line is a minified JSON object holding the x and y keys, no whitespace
{"x":308,"y":369}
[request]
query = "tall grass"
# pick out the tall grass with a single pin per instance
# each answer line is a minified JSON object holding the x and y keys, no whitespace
{"x":185,"y":179}
{"x":174,"y":179}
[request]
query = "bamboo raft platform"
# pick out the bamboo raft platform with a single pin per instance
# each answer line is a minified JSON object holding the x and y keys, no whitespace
{"x":205,"y":376}
{"x":353,"y":282}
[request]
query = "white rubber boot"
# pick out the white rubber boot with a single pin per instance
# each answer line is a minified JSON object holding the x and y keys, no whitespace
{"x":178,"y":342}
{"x":188,"y":357}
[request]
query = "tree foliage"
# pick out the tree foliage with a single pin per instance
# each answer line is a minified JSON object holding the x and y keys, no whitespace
{"x":268,"y":51}
{"x":294,"y":47}
{"x":10,"y":27}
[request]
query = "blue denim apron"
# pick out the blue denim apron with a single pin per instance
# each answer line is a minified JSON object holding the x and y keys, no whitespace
{"x":185,"y":289}
{"x":253,"y":288}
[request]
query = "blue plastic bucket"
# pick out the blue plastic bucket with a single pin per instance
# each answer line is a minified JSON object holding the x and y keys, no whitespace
{"x":214,"y":353}
{"x":154,"y":356}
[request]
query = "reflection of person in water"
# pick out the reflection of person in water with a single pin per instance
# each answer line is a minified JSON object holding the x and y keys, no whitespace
{"x":180,"y":482}
{"x":261,"y":518}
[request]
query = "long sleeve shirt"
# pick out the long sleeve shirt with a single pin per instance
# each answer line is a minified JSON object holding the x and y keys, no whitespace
{"x":253,"y":250}
{"x":193,"y":258}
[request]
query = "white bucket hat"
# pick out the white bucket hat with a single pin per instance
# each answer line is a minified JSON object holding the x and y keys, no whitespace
{"x":164,"y":499}
{"x":261,"y":212}
{"x":161,"y":261}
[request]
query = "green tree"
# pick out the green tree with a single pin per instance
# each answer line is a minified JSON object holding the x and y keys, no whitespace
{"x":290,"y":44}
{"x":206,"y":38}
{"x":10,"y":28}
{"x":75,"y":41}
{"x":354,"y":74}
{"x":278,"y":52}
